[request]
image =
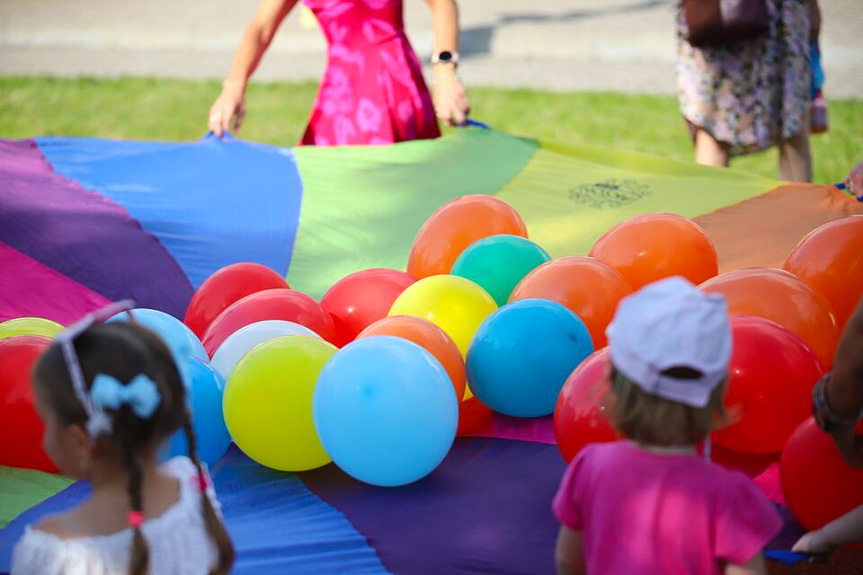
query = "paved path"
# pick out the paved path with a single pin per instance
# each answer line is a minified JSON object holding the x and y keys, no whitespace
{"x":625,"y":45}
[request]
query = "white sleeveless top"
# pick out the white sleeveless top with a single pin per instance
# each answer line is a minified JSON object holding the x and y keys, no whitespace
{"x":178,"y":540}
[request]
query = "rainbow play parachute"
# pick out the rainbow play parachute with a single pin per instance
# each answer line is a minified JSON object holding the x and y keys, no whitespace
{"x":87,"y":221}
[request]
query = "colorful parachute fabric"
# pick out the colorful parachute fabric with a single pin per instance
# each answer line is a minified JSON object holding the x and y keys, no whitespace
{"x":85,"y":221}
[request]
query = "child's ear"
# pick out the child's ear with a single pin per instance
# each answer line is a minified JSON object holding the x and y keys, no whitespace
{"x":81,"y":445}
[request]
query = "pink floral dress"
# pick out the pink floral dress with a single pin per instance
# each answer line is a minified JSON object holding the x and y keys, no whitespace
{"x":373,"y":90}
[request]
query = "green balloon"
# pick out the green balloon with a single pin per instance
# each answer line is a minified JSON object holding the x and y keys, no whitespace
{"x":29,"y":326}
{"x":498,"y":263}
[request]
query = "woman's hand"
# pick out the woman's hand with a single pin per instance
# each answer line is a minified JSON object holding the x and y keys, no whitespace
{"x":854,"y":181}
{"x":450,"y":100}
{"x":812,"y":542}
{"x":230,"y":105}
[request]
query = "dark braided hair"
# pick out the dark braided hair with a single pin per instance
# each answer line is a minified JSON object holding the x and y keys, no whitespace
{"x":140,"y":557}
{"x":214,"y":524}
{"x":123,"y":351}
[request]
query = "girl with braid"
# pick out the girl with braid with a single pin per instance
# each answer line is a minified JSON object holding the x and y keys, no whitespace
{"x":110,"y":395}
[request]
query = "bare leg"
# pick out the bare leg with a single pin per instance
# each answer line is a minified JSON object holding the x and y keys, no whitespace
{"x":708,"y":151}
{"x":795,"y":157}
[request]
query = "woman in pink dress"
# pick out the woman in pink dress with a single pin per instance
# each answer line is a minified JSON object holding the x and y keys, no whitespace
{"x":373,"y":90}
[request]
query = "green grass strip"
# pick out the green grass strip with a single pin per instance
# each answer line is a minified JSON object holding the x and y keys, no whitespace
{"x":176,"y":110}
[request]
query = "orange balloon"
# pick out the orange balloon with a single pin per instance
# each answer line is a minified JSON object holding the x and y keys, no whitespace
{"x":429,"y":336}
{"x":589,"y":287}
{"x":830,"y":259}
{"x":456,"y":225}
{"x":649,"y":247}
{"x":784,"y":298}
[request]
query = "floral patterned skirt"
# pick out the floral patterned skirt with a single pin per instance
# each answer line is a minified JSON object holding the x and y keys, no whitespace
{"x":753,"y":94}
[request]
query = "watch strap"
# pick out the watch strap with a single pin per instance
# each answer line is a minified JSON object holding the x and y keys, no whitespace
{"x":825,"y":417}
{"x":445,"y":57}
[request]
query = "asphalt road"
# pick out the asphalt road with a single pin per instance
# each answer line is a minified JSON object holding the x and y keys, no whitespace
{"x":624,"y":45}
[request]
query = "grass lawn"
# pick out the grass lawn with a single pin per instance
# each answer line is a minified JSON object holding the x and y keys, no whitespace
{"x":175,"y":110}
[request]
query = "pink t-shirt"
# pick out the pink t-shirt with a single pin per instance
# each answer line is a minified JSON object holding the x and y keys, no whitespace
{"x":646,"y":512}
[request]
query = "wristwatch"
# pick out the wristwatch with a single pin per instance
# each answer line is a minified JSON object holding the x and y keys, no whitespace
{"x":825,"y":417}
{"x":445,"y":57}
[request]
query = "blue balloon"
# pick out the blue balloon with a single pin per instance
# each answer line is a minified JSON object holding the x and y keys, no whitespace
{"x":385,"y":410}
{"x":180,"y":339}
{"x":521,"y":355}
{"x":206,"y":387}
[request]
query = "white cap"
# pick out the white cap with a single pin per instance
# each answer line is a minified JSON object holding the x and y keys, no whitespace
{"x":668,"y":324}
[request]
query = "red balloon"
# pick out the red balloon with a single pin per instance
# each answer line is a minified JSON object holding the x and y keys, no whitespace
{"x":456,"y":225}
{"x":578,"y":415}
{"x":473,"y":418}
{"x":228,"y":285}
{"x":818,"y":485}
{"x":20,"y":425}
{"x":649,"y":247}
{"x":830,"y":259}
{"x":752,"y":464}
{"x":286,"y":304}
{"x":772,"y":374}
{"x":590,"y":288}
{"x":362,"y":298}
{"x":784,"y":298}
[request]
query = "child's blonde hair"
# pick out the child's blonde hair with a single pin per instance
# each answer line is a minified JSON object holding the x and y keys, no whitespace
{"x":652,"y":420}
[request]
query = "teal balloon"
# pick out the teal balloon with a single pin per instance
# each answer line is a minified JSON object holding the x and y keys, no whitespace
{"x":385,"y":410}
{"x":498,"y":263}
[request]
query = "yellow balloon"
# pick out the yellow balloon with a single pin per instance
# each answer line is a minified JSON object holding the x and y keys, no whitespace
{"x":30,"y":326}
{"x":268,"y":402}
{"x":455,"y":304}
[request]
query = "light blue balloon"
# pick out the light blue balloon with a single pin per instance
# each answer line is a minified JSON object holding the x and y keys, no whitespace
{"x":180,"y":339}
{"x":522,"y":354}
{"x":385,"y":410}
{"x":208,"y":421}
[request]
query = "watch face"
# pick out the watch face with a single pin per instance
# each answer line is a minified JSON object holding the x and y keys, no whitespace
{"x":445,"y":56}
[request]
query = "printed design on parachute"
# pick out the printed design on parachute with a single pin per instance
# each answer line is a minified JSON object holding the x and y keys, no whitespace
{"x":611,"y":193}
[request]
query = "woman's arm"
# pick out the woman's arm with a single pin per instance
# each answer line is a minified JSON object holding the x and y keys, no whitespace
{"x":814,"y":21}
{"x":841,"y":531}
{"x":231,"y":104}
{"x":843,"y":392}
{"x":444,"y":25}
{"x":450,"y":100}
{"x":569,"y":553}
{"x":845,"y":389}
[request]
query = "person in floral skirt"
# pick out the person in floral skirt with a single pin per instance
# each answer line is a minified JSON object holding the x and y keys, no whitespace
{"x":749,"y":95}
